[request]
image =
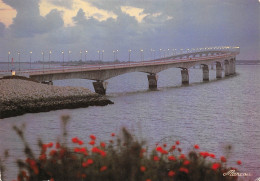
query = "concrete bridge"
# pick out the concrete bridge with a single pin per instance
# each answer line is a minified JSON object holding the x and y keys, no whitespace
{"x":222,"y":59}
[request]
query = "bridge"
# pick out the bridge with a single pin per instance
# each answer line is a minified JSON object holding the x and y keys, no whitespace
{"x":221,"y":58}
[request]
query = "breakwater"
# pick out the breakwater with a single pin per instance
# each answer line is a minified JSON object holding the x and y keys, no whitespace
{"x":20,"y":95}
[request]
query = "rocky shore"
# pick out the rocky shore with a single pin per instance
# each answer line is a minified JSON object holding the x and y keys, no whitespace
{"x":20,"y":95}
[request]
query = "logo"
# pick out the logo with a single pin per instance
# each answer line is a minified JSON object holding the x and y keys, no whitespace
{"x":258,"y":179}
{"x":233,"y":173}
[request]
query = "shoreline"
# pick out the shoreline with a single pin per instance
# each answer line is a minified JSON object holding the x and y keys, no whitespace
{"x":21,"y":95}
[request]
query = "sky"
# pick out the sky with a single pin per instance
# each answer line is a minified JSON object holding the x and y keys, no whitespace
{"x":75,"y":26}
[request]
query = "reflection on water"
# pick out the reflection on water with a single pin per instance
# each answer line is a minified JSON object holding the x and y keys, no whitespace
{"x":213,"y":115}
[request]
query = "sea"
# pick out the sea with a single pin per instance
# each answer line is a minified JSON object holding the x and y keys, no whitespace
{"x":215,"y":115}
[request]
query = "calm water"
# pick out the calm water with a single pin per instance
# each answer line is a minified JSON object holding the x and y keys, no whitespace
{"x":212,"y":114}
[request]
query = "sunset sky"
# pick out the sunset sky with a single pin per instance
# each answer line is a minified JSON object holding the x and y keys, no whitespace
{"x":92,"y":25}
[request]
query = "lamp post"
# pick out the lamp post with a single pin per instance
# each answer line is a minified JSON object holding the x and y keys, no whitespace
{"x":114,"y":52}
{"x":19,"y":61}
{"x":102,"y":54}
{"x":63,"y":59}
{"x":160,"y":53}
{"x":86,"y":55}
{"x":80,"y":55}
{"x":43,"y":61}
{"x":98,"y":55}
{"x":142,"y":54}
{"x":30,"y":60}
{"x":49,"y":59}
{"x":129,"y":55}
{"x":8,"y":59}
{"x":69,"y":55}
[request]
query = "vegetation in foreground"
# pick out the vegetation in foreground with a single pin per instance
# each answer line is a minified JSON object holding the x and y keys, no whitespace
{"x":121,"y":159}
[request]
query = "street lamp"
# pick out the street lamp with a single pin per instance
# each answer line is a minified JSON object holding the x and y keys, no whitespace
{"x":19,"y":61}
{"x":142,"y":58}
{"x":43,"y":61}
{"x":49,"y":59}
{"x":86,"y":55}
{"x":160,"y":53}
{"x":98,"y":55}
{"x":69,"y":55}
{"x":62,"y":59}
{"x":114,"y":52}
{"x":102,"y":54}
{"x":8,"y":59}
{"x":30,"y":60}
{"x":129,"y":55}
{"x":80,"y":55}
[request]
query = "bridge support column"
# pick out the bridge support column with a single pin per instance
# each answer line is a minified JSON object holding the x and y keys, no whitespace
{"x":185,"y":76}
{"x":152,"y":80}
{"x":234,"y":64}
{"x":47,"y":82}
{"x":100,"y":87}
{"x":205,"y":71}
{"x":218,"y":70}
{"x":227,"y":68}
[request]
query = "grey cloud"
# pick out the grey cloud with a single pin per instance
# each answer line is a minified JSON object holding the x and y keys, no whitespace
{"x":2,"y":29}
{"x":62,"y":3}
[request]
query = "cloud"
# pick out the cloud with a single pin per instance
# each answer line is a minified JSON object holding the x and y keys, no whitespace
{"x":132,"y":24}
{"x":68,"y":14}
{"x":2,"y":28}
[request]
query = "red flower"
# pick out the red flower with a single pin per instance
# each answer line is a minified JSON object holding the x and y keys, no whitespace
{"x":80,"y":142}
{"x":103,"y":145}
{"x":173,"y":147}
{"x":177,"y":142}
{"x":50,"y":144}
{"x":171,"y":158}
{"x":93,"y":137}
{"x":42,"y":157}
{"x":212,"y":155}
{"x":204,"y":154}
{"x":83,"y":175}
{"x":171,"y":173}
{"x":239,"y":162}
{"x":164,"y":145}
{"x":92,"y":142}
{"x":196,"y":147}
{"x":53,"y":152}
{"x":143,"y":150}
{"x":186,"y":162}
{"x":223,"y":159}
{"x":52,"y":179}
{"x":76,"y":150}
{"x":90,"y":161}
{"x":84,"y":164}
{"x":215,"y":166}
{"x":156,"y":158}
{"x":159,"y":149}
{"x":103,"y":168}
{"x":57,"y":145}
{"x":74,"y":140}
{"x":142,"y":168}
{"x":148,"y":179}
{"x":113,"y":134}
{"x":184,"y":170}
{"x":182,"y":156}
{"x":179,"y":149}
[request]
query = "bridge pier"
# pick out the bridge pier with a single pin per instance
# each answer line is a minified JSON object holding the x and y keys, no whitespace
{"x":47,"y":82}
{"x":185,"y":76}
{"x":100,"y":87}
{"x":152,"y":80}
{"x":218,"y":70}
{"x":227,"y":69}
{"x":205,"y":71}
